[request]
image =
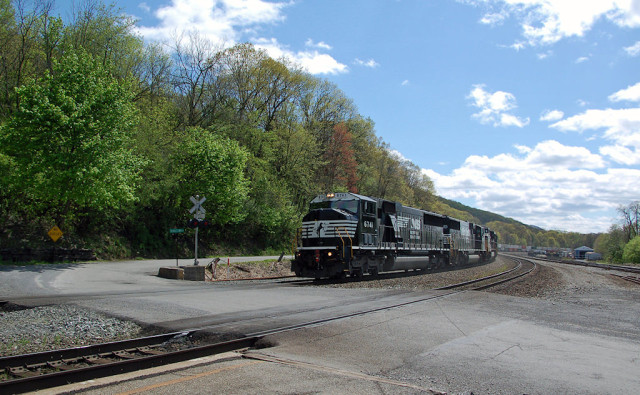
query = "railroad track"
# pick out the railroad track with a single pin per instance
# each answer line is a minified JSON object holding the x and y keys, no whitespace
{"x":38,"y":371}
{"x":629,"y":269}
{"x":524,"y":267}
{"x":632,"y":279}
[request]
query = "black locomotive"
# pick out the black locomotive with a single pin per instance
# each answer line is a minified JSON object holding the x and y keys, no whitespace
{"x":346,"y":233}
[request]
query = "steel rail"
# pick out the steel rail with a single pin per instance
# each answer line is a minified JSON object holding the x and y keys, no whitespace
{"x":62,"y":377}
{"x":533,"y":267}
{"x":632,"y":279}
{"x":451,"y":288}
{"x":462,"y":284}
{"x":630,"y":269}
{"x":77,"y":352}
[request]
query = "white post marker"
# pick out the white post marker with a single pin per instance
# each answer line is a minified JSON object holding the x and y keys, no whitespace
{"x":198,"y":213}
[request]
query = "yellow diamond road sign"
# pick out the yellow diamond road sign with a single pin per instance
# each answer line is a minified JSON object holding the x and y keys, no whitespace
{"x":55,"y":233}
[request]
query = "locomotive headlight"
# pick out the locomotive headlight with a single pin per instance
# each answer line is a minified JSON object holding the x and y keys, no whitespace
{"x":329,"y":253}
{"x":330,"y":195}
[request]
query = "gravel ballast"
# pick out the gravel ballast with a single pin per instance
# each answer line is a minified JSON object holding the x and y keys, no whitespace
{"x":47,"y":328}
{"x":430,"y":279}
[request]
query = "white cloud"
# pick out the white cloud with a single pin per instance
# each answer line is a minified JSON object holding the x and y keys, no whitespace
{"x":549,"y":21}
{"x":512,"y":120}
{"x":493,"y":18}
{"x":518,"y":45}
{"x":312,"y":61}
{"x":544,"y":55}
{"x":227,"y":22}
{"x":321,"y":45}
{"x":397,"y":155}
{"x":551,"y":115}
{"x":631,"y":93}
{"x":622,"y":121}
{"x":633,"y":50}
{"x":523,"y":149}
{"x":144,"y":7}
{"x":621,"y":154}
{"x":495,"y":107}
{"x":405,"y":83}
{"x":582,"y":59}
{"x":366,"y":63}
{"x":318,"y":63}
{"x":621,"y":126}
{"x":551,"y":185}
{"x":220,"y":21}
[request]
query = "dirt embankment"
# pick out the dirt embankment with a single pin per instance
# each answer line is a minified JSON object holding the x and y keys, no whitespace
{"x":223,"y":271}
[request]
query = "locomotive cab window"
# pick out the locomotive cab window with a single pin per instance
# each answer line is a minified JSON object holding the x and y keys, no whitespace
{"x":346,"y":205}
{"x":369,"y":208}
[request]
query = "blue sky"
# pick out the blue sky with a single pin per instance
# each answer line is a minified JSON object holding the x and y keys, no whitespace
{"x":526,"y":108}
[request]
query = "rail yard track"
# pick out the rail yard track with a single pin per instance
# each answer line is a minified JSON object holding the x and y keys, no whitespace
{"x":23,"y":373}
{"x":622,"y":268}
{"x":633,"y":279}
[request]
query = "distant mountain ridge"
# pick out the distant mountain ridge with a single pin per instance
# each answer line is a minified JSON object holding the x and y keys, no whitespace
{"x":511,"y":231}
{"x":483,"y":216}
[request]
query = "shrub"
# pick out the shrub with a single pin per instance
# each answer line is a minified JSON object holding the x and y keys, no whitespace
{"x":631,"y":252}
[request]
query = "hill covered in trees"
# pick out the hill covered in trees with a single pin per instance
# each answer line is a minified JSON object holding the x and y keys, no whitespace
{"x":514,"y":232}
{"x":108,"y":137}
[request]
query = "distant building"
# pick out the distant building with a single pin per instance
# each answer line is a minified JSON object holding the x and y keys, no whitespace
{"x":581,"y":252}
{"x":594,"y":256}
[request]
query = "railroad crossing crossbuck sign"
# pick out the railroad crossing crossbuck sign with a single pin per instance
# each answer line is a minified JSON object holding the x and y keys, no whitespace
{"x":198,"y":213}
{"x":197,"y":207}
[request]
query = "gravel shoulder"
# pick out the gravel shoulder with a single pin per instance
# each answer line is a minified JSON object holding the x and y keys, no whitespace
{"x":47,"y":328}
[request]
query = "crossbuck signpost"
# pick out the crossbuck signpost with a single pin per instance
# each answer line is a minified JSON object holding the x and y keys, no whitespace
{"x":198,"y":213}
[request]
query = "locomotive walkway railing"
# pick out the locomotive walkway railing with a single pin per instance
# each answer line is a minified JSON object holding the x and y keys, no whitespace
{"x":339,"y":232}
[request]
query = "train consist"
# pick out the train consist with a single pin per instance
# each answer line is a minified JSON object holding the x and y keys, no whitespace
{"x":346,"y":233}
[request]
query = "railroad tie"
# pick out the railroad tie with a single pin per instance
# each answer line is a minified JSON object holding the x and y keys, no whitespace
{"x":59,"y":365}
{"x":96,"y":360}
{"x":150,"y":351}
{"x":21,"y":372}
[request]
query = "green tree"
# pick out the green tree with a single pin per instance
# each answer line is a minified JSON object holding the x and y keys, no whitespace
{"x":631,"y":252}
{"x":212,"y":166}
{"x":613,"y":244}
{"x":69,"y":140}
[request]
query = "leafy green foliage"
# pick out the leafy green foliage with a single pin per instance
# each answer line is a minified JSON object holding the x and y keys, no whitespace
{"x":212,"y":166}
{"x":611,"y":245}
{"x":69,"y":140}
{"x":631,"y":252}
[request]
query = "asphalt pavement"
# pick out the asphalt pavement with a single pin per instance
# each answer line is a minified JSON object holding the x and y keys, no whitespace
{"x":470,"y":342}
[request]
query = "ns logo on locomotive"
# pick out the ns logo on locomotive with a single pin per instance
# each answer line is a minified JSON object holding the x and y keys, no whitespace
{"x":347,"y":233}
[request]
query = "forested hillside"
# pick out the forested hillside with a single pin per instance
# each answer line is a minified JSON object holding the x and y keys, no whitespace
{"x":108,"y":137}
{"x":513,"y":232}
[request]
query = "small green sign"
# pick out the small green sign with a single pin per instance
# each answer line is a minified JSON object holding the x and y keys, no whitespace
{"x":176,"y":230}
